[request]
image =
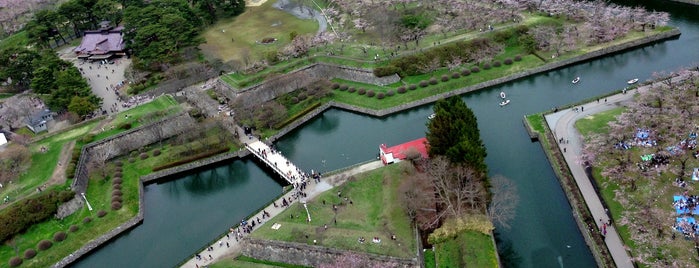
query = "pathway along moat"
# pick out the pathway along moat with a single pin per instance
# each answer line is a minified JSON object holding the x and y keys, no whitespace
{"x":184,"y":214}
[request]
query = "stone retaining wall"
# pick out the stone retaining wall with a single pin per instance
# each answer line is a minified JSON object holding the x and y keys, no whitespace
{"x":283,"y":84}
{"x":125,"y":142}
{"x":309,"y":255}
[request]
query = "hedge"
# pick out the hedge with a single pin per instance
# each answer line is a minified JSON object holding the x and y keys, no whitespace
{"x":29,"y":253}
{"x":15,"y":261}
{"x":59,"y":236}
{"x":25,"y":213}
{"x":44,"y":245}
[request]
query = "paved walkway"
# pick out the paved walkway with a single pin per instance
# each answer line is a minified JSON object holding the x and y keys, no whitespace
{"x":229,"y":246}
{"x":563,"y":125}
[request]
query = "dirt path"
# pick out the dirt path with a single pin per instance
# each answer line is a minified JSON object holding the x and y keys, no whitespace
{"x":59,"y":174}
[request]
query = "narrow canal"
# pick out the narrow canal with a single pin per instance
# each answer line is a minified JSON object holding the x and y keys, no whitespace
{"x":182,"y":215}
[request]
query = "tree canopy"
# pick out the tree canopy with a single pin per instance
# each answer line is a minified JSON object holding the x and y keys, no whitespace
{"x":453,"y":133}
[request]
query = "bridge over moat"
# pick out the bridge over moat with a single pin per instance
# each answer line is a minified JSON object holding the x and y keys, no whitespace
{"x":276,"y":161}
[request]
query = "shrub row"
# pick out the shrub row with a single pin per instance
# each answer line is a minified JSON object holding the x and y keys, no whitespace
{"x":191,"y":158}
{"x":25,"y":213}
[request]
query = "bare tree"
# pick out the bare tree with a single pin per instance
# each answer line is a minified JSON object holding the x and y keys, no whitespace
{"x":15,"y":159}
{"x":100,"y":155}
{"x":504,"y":202}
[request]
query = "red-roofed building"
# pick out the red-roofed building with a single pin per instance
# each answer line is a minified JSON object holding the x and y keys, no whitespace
{"x":400,"y":152}
{"x":101,"y":44}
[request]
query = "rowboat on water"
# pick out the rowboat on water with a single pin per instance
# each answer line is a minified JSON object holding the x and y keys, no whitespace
{"x":502,"y":94}
{"x":430,"y":117}
{"x":576,"y":80}
{"x":632,"y":81}
{"x":505,"y":102}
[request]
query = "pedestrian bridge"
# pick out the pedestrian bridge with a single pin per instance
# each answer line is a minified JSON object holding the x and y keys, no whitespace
{"x":275,"y":160}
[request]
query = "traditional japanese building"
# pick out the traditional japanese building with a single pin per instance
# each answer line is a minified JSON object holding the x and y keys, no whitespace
{"x":102,"y":44}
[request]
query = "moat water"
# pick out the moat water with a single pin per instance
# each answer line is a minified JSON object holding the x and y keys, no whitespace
{"x":184,"y":214}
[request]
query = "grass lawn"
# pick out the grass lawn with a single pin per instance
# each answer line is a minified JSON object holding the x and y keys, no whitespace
{"x":6,"y":95}
{"x":375,"y":212}
{"x":143,"y":114}
{"x":236,"y":38}
{"x":43,"y":163}
{"x":597,"y":123}
{"x":18,"y":39}
{"x":536,"y":122}
{"x":467,"y":249}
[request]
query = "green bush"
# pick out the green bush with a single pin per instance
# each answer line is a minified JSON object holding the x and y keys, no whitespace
{"x":25,"y":213}
{"x":59,"y":236}
{"x":101,"y":213}
{"x":386,"y":71}
{"x":70,"y":170}
{"x":29,"y":253}
{"x":370,"y":93}
{"x":44,"y":245}
{"x":15,"y":261}
{"x":124,"y":126}
{"x":87,"y":138}
{"x":74,"y":228}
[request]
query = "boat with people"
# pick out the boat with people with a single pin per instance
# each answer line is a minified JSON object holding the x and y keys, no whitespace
{"x":430,"y":117}
{"x":576,"y":80}
{"x":502,"y":94}
{"x":632,"y":81}
{"x":505,"y":102}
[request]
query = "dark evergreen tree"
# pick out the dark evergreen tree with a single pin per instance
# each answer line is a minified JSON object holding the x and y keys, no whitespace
{"x":17,"y":64}
{"x":453,"y":132}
